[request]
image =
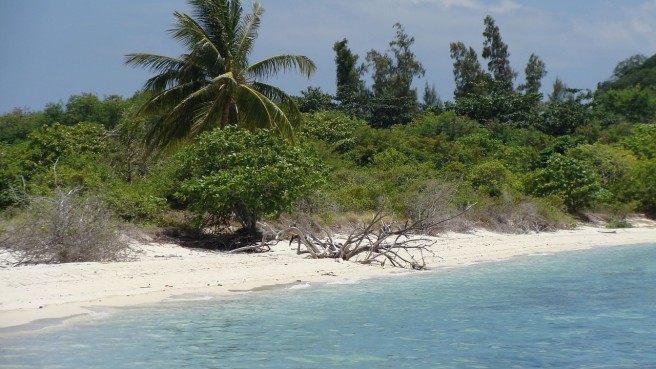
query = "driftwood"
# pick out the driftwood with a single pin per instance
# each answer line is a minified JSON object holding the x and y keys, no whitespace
{"x":379,"y":240}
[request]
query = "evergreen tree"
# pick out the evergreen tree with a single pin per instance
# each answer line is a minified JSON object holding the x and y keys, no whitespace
{"x":495,"y":51}
{"x":467,"y":71}
{"x":431,"y":98}
{"x":351,"y":91}
{"x":560,"y":91}
{"x":394,"y":98}
{"x":535,"y":71}
{"x":348,"y":72}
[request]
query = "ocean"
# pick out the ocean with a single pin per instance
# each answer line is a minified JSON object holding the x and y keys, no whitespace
{"x":583,"y":309}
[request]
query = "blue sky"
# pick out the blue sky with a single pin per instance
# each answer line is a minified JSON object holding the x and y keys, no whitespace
{"x":51,"y":49}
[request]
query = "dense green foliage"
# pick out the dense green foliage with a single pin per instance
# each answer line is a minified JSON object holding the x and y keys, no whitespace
{"x":633,"y":71}
{"x":529,"y":162}
{"x":250,"y":175}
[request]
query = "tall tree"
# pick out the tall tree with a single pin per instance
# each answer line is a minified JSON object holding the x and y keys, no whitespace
{"x":431,"y":98}
{"x":213,"y":84}
{"x":495,"y":51}
{"x":627,"y":65}
{"x":467,"y":71}
{"x":395,"y":100}
{"x":560,"y":91}
{"x":348,"y":72}
{"x":351,"y":91}
{"x":535,"y":71}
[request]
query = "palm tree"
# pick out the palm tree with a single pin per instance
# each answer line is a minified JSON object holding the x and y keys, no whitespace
{"x":213,"y":84}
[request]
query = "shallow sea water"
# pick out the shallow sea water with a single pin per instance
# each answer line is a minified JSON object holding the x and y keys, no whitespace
{"x":584,"y":309}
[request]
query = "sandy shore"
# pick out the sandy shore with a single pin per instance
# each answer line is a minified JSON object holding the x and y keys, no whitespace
{"x":32,"y":293}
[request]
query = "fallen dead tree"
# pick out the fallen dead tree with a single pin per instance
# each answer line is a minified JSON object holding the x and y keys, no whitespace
{"x":378,"y":240}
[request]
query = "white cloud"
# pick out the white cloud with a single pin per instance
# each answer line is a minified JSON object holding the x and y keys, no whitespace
{"x":468,"y":4}
{"x":505,"y":6}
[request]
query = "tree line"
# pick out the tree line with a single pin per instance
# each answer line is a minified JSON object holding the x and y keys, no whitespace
{"x":206,"y":145}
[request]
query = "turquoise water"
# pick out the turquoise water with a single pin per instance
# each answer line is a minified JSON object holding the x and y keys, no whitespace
{"x":587,"y":309}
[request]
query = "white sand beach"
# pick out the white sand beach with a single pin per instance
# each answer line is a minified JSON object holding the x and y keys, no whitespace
{"x":30,"y":293}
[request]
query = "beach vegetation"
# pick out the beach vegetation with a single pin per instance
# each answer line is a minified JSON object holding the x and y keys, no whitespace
{"x":568,"y":179}
{"x":240,"y":155}
{"x":66,"y":226}
{"x":246,"y":175}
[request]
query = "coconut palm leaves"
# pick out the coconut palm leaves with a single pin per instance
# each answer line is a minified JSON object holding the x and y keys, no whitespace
{"x":213,"y":85}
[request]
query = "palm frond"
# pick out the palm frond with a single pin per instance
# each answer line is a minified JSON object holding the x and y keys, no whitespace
{"x":182,"y":106}
{"x":193,"y":36}
{"x":258,"y":111}
{"x":211,"y":114}
{"x":247,"y":33}
{"x":219,"y":18}
{"x":286,"y":103}
{"x":281,"y":63}
{"x":153,"y":62}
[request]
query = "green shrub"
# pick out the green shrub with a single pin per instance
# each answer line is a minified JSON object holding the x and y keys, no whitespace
{"x":49,"y":143}
{"x":332,"y":127}
{"x":447,"y":125}
{"x":568,"y":179}
{"x":492,"y":178}
{"x":635,"y":104}
{"x":642,"y":141}
{"x":234,"y":172}
{"x":643,"y":187}
{"x":613,"y":166}
{"x":618,"y":222}
{"x":136,"y":202}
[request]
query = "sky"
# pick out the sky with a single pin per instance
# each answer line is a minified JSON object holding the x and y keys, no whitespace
{"x":52,"y":49}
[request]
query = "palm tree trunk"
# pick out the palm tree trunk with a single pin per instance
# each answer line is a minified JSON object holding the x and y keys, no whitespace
{"x":225,"y":117}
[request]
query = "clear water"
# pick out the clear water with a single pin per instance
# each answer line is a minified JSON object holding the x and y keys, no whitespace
{"x":587,"y":309}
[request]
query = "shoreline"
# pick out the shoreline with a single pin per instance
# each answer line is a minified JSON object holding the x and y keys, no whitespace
{"x":31,"y":296}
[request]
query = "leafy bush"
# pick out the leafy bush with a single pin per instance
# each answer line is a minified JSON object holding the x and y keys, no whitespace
{"x":562,"y":117}
{"x":613,"y":166}
{"x":568,"y":179}
{"x":635,"y":104}
{"x":16,"y":125}
{"x":332,"y":127}
{"x":65,"y":228}
{"x":49,"y":143}
{"x":642,"y":141}
{"x":447,"y":124}
{"x":518,"y":110}
{"x":136,"y":202}
{"x":617,"y":222}
{"x":11,"y":170}
{"x":477,"y":147}
{"x":234,"y":172}
{"x":643,"y":188}
{"x":492,"y":178}
{"x":367,"y":142}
